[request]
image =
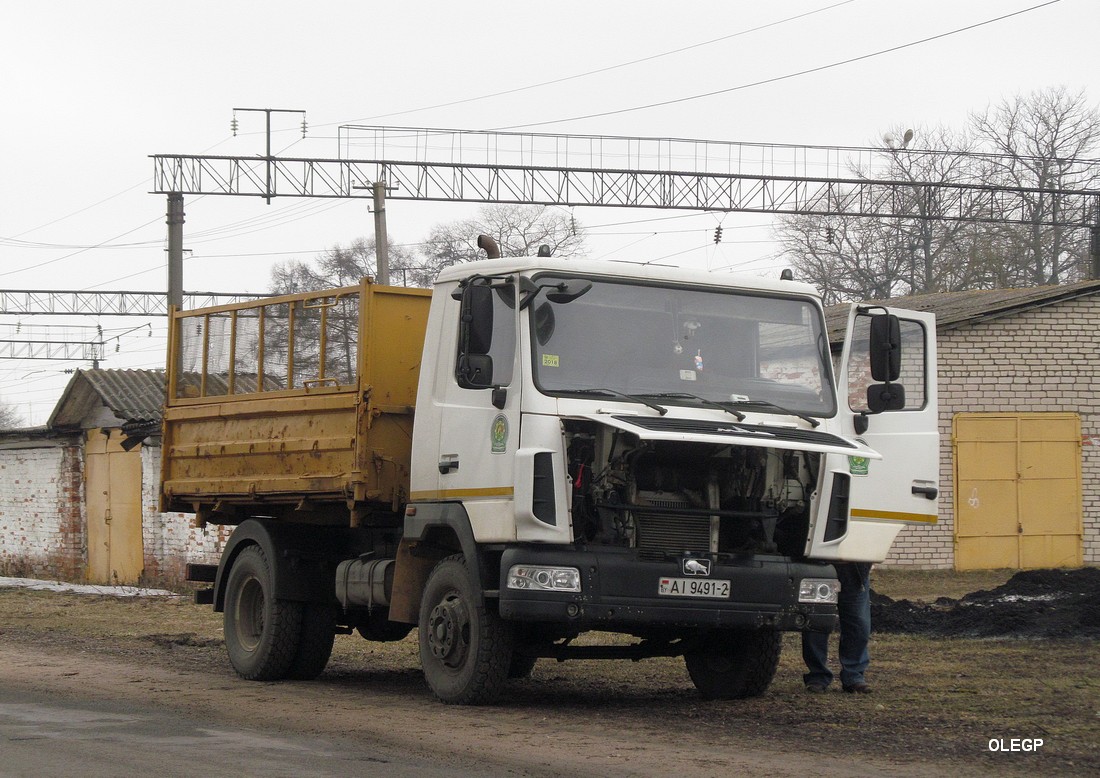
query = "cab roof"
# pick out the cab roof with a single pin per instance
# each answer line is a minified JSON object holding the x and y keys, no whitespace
{"x":624,"y":270}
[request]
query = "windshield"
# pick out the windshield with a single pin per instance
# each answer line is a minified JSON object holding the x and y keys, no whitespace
{"x":686,"y":344}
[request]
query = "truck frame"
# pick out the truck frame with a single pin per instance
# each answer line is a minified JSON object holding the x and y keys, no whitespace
{"x":538,"y":449}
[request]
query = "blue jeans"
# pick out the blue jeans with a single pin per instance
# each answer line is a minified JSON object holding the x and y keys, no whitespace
{"x":854,"y":608}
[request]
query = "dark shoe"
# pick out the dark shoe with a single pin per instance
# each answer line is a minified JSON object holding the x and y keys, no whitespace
{"x":858,"y":688}
{"x":816,"y":688}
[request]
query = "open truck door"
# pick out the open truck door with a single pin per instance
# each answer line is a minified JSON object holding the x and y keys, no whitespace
{"x":887,"y":395}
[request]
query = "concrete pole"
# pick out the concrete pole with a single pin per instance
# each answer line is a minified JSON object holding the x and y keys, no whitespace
{"x":1094,"y":245}
{"x":381,"y":241}
{"x":175,"y":249}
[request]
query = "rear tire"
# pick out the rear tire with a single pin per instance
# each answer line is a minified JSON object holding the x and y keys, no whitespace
{"x":315,"y":642}
{"x":735,"y":663}
{"x":465,"y":648}
{"x":261,"y":633}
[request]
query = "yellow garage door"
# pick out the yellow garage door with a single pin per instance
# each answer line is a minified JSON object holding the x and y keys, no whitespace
{"x":112,"y":486}
{"x":1017,"y":490}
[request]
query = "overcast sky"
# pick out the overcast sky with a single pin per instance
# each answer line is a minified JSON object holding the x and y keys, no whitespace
{"x":91,"y":89}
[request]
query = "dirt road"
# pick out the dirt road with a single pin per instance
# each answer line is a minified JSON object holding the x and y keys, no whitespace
{"x":580,"y":736}
{"x":514,"y":739}
{"x":936,"y":707}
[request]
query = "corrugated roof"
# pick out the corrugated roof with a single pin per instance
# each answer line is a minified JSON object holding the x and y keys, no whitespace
{"x":954,"y":309}
{"x":131,"y":395}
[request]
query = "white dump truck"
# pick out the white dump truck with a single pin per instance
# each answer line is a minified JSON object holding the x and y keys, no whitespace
{"x":539,"y":448}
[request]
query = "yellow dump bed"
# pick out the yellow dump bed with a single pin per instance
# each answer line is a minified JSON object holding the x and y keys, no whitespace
{"x":297,"y":405}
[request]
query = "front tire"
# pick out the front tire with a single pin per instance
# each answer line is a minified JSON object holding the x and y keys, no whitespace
{"x":261,"y":633}
{"x":465,"y":648}
{"x":735,"y":663}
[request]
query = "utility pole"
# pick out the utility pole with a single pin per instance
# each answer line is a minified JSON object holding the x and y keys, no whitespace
{"x":175,"y":249}
{"x":1094,"y":244}
{"x":381,"y":240}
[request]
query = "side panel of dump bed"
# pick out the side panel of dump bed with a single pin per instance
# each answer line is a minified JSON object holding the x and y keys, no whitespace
{"x":293,"y":403}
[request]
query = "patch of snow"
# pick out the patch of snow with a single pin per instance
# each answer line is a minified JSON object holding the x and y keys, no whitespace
{"x":61,"y":586}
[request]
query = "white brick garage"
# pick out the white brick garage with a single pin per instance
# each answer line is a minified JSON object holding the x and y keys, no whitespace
{"x":47,"y":529}
{"x":1010,"y":353}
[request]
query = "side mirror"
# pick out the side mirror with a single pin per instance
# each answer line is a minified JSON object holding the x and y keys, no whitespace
{"x":477,"y":318}
{"x":885,"y":397}
{"x":885,"y":347}
{"x":475,"y":371}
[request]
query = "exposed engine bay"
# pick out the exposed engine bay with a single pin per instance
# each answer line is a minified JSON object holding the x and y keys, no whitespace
{"x":666,"y":499}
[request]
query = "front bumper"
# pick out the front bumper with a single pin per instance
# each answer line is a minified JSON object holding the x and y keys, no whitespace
{"x":619,"y":591}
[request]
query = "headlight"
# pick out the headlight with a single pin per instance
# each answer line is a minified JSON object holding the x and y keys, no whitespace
{"x":542,"y":578}
{"x":818,"y":590}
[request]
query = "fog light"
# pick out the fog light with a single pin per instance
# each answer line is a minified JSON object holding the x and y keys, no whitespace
{"x":542,"y":578}
{"x":818,"y":590}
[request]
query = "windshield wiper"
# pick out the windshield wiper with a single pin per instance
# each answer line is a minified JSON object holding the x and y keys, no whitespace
{"x":688,"y":395}
{"x":766,"y":404}
{"x":633,"y":397}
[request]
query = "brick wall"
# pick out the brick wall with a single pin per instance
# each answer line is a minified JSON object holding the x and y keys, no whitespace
{"x":170,"y":539}
{"x":43,"y":521}
{"x":1044,"y":360}
{"x":42,"y":529}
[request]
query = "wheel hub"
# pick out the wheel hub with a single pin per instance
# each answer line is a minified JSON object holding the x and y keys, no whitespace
{"x":448,"y":630}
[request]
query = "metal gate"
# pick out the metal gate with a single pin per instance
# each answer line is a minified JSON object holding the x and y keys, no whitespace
{"x":112,"y":478}
{"x":1017,"y":490}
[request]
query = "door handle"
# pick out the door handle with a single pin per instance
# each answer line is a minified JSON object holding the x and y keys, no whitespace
{"x":930,"y":492}
{"x":448,"y":463}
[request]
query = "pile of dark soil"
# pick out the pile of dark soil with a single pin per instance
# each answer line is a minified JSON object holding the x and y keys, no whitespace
{"x":1031,"y":604}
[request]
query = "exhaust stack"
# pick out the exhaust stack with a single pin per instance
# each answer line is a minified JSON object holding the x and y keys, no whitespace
{"x":486,"y":242}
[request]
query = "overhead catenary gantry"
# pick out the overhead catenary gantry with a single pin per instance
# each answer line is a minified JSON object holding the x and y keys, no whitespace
{"x":585,"y":170}
{"x":57,"y":302}
{"x":582,"y":170}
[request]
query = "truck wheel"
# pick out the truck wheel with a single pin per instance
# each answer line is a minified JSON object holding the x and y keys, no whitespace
{"x":261,"y":633}
{"x":735,"y":664}
{"x":465,"y":649}
{"x":315,"y":641}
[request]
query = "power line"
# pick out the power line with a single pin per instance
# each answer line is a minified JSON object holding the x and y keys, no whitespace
{"x":75,"y":253}
{"x":598,"y":70}
{"x":784,"y":77}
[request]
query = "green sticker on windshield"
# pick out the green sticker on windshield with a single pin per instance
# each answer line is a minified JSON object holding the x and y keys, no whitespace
{"x":859,"y":465}
{"x":550,"y":360}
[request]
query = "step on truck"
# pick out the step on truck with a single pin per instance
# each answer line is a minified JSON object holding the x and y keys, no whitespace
{"x":662,"y":460}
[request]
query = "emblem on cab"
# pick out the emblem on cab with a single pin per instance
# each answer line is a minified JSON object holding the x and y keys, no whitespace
{"x":696,"y":567}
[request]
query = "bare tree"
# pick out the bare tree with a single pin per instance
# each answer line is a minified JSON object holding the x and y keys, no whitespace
{"x":1041,"y":143}
{"x":345,"y":266}
{"x":1043,"y":140}
{"x":843,"y":257}
{"x":9,"y":417}
{"x":854,"y":257}
{"x":519,"y":230}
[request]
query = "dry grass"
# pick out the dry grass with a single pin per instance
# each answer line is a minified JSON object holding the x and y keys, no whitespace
{"x":927,"y":585}
{"x":940,"y":699}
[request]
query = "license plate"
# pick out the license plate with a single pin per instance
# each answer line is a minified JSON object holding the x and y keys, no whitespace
{"x":694,"y":587}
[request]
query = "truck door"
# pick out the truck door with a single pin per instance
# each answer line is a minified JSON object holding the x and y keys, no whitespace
{"x":864,"y":503}
{"x":479,"y":409}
